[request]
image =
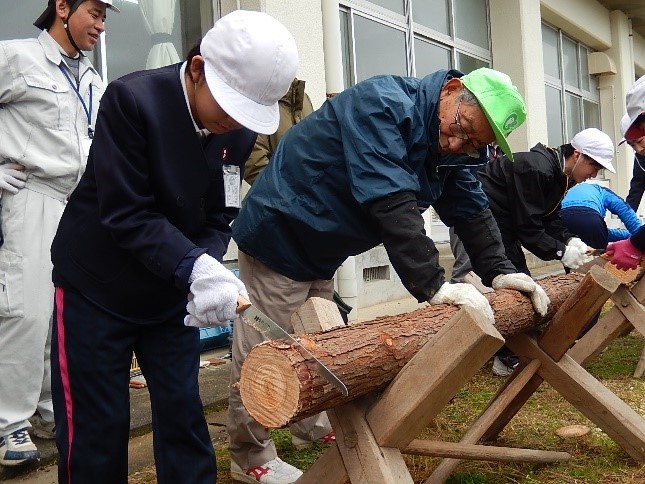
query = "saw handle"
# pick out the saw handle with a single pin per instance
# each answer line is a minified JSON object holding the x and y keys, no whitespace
{"x":242,"y":304}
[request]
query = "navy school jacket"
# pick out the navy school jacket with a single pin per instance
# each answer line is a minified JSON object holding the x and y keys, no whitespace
{"x":150,"y":194}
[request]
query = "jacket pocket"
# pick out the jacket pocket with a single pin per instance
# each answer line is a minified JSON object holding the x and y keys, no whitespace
{"x":11,"y":286}
{"x":46,"y":95}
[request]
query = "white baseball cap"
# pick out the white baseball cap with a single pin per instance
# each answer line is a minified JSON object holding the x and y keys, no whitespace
{"x":596,"y":145}
{"x":635,"y":103}
{"x":250,"y":60}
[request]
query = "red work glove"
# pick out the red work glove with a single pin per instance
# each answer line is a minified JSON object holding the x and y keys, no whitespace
{"x":624,"y":255}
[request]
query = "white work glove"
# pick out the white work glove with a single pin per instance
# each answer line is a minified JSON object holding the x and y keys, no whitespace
{"x":214,"y":291}
{"x":524,"y":283}
{"x":575,"y":253}
{"x":576,"y":242}
{"x":463,"y":294}
{"x":12,"y":178}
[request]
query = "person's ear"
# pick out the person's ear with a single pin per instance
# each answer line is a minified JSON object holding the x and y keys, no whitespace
{"x":196,"y":68}
{"x":62,"y":9}
{"x":452,"y":85}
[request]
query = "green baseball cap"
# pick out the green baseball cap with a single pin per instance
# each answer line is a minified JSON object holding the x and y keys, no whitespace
{"x":500,"y":100}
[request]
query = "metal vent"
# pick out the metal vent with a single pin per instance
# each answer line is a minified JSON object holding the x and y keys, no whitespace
{"x":379,"y":273}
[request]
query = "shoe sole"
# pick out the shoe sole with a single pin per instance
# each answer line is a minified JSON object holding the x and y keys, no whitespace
{"x":241,"y":477}
{"x":15,"y":463}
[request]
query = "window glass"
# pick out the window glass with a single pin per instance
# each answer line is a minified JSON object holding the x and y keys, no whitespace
{"x":346,"y":46}
{"x":379,"y":49}
{"x":591,"y":114}
{"x":570,"y":62}
{"x":152,"y":33}
{"x":584,"y":68}
{"x":471,"y":22}
{"x":593,"y":87}
{"x":433,"y":14}
{"x":430,"y":57}
{"x":394,"y":5}
{"x":574,"y":115}
{"x":550,"y":52}
{"x":466,"y":63}
{"x":554,"y":116}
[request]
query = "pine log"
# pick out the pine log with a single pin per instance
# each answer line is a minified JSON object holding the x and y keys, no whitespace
{"x":279,"y":387}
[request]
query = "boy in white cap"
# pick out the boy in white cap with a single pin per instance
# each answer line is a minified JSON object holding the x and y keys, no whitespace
{"x":49,"y":93}
{"x":137,"y":256}
{"x":525,"y":196}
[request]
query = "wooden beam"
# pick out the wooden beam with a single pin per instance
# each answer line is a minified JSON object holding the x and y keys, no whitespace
{"x":640,"y":366}
{"x":462,"y":451}
{"x":364,"y":460}
{"x":587,"y":301}
{"x":316,"y":314}
{"x":328,"y":468}
{"x":446,"y":362}
{"x":608,"y":328}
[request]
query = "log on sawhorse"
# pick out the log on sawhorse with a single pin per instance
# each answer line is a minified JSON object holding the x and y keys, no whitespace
{"x":372,"y":433}
{"x":555,"y":357}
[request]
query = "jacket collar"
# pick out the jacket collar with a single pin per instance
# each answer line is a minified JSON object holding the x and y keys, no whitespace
{"x":51,"y":48}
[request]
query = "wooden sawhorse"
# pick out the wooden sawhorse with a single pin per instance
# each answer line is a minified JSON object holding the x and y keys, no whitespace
{"x":555,"y":357}
{"x":373,"y":432}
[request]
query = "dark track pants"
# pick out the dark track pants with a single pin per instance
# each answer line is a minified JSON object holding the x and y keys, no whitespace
{"x":91,"y":357}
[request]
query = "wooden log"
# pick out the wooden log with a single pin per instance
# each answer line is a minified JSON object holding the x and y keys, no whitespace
{"x":279,"y":387}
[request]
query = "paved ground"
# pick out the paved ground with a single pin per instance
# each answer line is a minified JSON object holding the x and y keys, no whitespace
{"x":213,"y":382}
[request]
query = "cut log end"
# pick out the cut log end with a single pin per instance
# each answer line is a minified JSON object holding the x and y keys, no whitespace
{"x":270,"y":387}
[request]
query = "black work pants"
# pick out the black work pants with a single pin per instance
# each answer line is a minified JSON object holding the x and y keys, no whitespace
{"x":91,"y":357}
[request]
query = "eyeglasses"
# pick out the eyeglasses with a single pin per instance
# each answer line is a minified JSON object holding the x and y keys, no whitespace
{"x":458,"y":131}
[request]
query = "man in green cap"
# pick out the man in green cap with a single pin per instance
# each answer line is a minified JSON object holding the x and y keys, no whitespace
{"x":356,"y":173}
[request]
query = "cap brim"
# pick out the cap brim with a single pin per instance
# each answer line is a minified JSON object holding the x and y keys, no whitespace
{"x":634,"y":133}
{"x":606,"y":165}
{"x":257,"y":117}
{"x":499,"y":136}
{"x":45,"y":19}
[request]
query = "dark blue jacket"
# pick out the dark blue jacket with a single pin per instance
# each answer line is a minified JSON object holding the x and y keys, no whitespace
{"x":309,"y":209}
{"x":637,"y":183}
{"x":151,"y":194}
{"x":601,"y":199}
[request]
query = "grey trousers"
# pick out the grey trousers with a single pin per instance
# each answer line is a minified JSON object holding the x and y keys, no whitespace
{"x":278,"y":297}
{"x":462,"y":265}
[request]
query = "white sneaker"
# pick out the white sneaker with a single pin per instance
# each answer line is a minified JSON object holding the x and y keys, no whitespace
{"x":275,"y":471}
{"x":18,"y":449}
{"x":505,"y":366}
{"x":41,"y":428}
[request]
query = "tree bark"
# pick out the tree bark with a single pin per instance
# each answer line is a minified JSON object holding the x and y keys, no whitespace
{"x":279,"y":387}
